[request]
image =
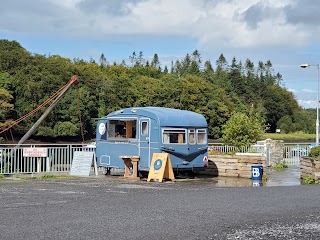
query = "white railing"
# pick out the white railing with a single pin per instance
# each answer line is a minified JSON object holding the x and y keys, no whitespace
{"x":291,"y":151}
{"x":216,"y":147}
{"x":58,"y":158}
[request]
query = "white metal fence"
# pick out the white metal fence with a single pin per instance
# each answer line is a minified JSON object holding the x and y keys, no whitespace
{"x":226,"y":148}
{"x":291,"y":151}
{"x":58,"y":158}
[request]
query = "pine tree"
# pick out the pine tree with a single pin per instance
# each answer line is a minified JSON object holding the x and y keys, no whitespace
{"x":155,"y":61}
{"x":103,"y":60}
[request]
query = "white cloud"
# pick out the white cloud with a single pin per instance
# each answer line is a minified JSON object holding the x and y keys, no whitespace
{"x":67,"y":4}
{"x":233,"y":23}
{"x":308,"y":91}
{"x":306,"y":98}
{"x":307,"y":103}
{"x":305,"y":90}
{"x":293,"y":90}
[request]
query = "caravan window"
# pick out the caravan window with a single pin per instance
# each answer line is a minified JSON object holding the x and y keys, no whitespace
{"x":192,"y":139}
{"x":174,"y":136}
{"x":144,"y":128}
{"x":122,"y":129}
{"x":201,"y":136}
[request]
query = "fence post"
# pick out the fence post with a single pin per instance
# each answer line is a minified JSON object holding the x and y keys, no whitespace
{"x":268,"y":155}
{"x":47,"y":164}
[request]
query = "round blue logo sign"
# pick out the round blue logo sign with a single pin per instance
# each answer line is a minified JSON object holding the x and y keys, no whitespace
{"x":157,"y":164}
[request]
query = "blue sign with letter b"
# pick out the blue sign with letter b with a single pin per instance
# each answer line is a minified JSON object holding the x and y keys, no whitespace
{"x":157,"y":164}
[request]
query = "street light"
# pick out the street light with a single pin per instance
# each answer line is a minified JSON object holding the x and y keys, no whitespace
{"x":305,"y":65}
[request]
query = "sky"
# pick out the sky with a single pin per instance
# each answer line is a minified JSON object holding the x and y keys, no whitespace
{"x":286,"y":32}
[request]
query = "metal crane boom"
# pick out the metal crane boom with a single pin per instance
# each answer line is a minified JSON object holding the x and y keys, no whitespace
{"x":74,"y":79}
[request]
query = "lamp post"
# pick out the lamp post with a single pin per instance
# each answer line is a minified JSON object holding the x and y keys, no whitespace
{"x":305,"y":65}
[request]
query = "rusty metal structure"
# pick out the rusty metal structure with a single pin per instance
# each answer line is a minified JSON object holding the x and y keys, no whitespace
{"x":55,"y":98}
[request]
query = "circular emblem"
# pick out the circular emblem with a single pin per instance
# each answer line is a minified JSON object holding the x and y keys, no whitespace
{"x":157,"y":164}
{"x":102,"y":128}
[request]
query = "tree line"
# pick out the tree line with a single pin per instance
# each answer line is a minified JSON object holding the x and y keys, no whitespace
{"x":216,"y":91}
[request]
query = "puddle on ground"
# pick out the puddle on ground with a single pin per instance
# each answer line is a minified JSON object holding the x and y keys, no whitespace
{"x":287,"y":177}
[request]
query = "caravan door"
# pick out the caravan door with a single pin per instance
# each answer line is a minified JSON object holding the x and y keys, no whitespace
{"x":144,"y":135}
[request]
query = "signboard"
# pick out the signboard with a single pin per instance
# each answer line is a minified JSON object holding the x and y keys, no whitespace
{"x":35,"y":152}
{"x":161,"y":167}
{"x":81,"y":163}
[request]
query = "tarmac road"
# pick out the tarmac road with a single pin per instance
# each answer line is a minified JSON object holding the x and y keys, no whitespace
{"x":110,"y":208}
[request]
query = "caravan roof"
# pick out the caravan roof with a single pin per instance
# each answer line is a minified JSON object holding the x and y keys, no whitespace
{"x":167,"y":117}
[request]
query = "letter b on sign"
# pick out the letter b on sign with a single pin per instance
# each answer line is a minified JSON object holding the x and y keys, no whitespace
{"x":255,"y":172}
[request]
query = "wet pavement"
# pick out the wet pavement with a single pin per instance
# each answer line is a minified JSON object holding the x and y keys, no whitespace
{"x":287,"y":177}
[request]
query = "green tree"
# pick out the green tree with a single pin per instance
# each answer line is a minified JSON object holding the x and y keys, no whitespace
{"x":32,"y":78}
{"x":5,"y":106}
{"x":140,"y":60}
{"x":285,"y":124}
{"x":12,"y":56}
{"x":65,"y":129}
{"x":103,"y":60}
{"x":165,"y":70}
{"x":155,"y":61}
{"x":278,"y":102}
{"x":133,"y":58}
{"x":242,"y":130}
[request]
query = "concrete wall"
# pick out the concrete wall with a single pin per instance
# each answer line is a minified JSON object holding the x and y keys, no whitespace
{"x":238,"y":165}
{"x":310,"y":167}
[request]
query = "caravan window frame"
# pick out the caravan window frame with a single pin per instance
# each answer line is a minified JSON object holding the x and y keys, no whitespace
{"x":113,"y":137}
{"x":174,"y":131}
{"x":201,"y":131}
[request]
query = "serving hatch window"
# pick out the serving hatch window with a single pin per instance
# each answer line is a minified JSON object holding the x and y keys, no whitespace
{"x":122,"y":128}
{"x":202,"y":139}
{"x":177,"y":136}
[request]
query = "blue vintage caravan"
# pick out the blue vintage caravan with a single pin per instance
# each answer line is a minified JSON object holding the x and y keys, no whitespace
{"x":142,"y":131}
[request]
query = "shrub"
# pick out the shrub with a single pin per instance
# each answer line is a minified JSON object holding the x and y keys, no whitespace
{"x":281,"y":166}
{"x":47,"y":176}
{"x":308,"y":180}
{"x":241,"y":130}
{"x":315,"y":152}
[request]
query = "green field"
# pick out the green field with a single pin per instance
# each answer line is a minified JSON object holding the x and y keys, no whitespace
{"x":291,"y":137}
{"x":288,"y":138}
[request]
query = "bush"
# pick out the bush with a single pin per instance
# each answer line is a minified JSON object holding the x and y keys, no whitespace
{"x":281,"y":166}
{"x":308,"y":180}
{"x":315,"y":152}
{"x":242,"y":130}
